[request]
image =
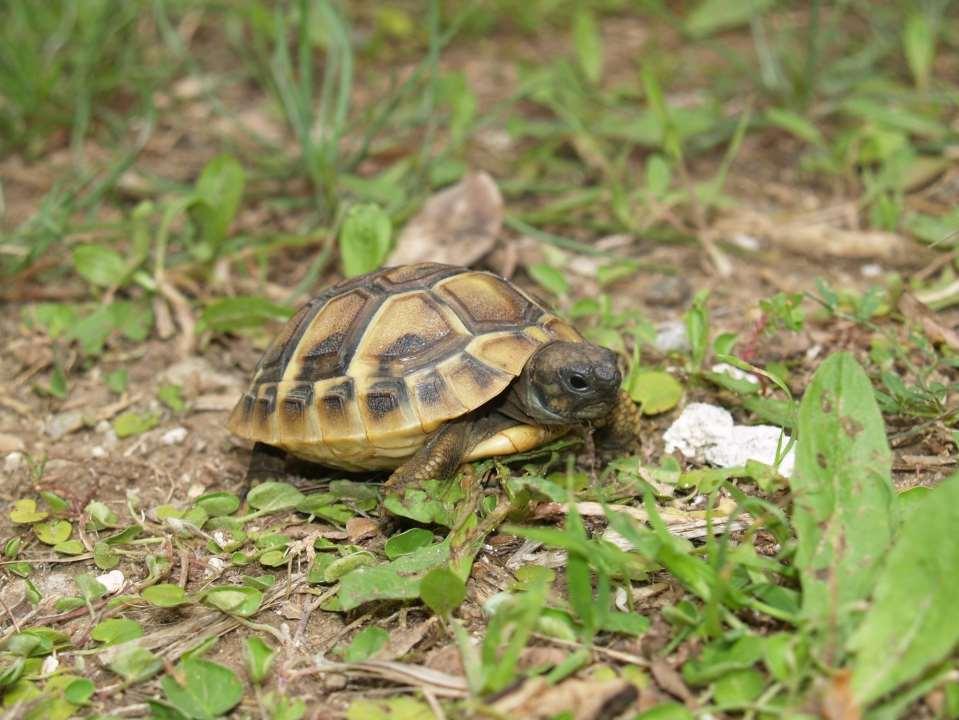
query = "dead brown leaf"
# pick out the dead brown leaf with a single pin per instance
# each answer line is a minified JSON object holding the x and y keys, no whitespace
{"x":360,"y":528}
{"x":457,"y":226}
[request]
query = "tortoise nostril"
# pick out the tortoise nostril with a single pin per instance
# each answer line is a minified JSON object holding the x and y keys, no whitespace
{"x":578,"y":382}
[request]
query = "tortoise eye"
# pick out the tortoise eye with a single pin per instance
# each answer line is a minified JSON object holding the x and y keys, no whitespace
{"x":577,"y":382}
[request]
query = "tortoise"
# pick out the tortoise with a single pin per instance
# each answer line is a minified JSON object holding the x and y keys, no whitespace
{"x":420,"y":368}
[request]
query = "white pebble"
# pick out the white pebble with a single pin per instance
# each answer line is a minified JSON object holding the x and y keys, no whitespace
{"x":13,"y":461}
{"x":671,"y":337}
{"x":214,"y":566}
{"x":746,"y":242}
{"x":50,"y":665}
{"x":735,"y":372}
{"x":112,"y":581}
{"x":174,"y":436}
{"x":98,"y":451}
{"x":707,"y":433}
{"x":871,"y":270}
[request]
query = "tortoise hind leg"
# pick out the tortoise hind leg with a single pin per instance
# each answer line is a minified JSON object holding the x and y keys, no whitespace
{"x":266,"y":463}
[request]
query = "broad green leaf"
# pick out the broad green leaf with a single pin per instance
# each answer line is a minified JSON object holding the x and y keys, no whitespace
{"x":442,"y":590}
{"x":259,"y":658}
{"x":398,"y":708}
{"x":104,"y":556}
{"x":134,"y":663}
{"x":625,"y":623}
{"x":396,"y":580}
{"x":434,"y":501}
{"x":712,"y":16}
{"x":365,"y":644}
{"x":738,"y":688}
{"x":919,"y":46}
{"x":365,"y":239}
{"x":549,"y":277}
{"x":90,"y":587}
{"x":911,"y":624}
{"x":656,"y":391}
{"x":666,"y":711}
{"x":35,"y":642}
{"x":79,"y":691}
{"x":116,"y":630}
{"x":844,"y":502}
{"x":117,"y":380}
{"x":588,"y":44}
{"x":99,"y":265}
{"x":219,"y":191}
{"x":217,"y":504}
{"x":25,"y":512}
{"x":53,"y":532}
{"x":165,"y":595}
{"x":235,"y":599}
{"x":274,"y":496}
{"x":234,"y":313}
{"x":209,"y":690}
{"x":134,"y":423}
{"x":406,"y":542}
{"x":171,"y":396}
{"x":70,"y":547}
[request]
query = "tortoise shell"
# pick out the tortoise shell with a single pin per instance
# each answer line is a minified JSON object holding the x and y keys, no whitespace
{"x":363,"y":373}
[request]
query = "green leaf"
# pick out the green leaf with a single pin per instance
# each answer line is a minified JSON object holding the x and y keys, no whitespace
{"x":79,"y":691}
{"x":399,"y":708}
{"x":658,"y":175}
{"x":172,"y":397}
{"x":365,"y":239}
{"x":70,"y":547}
{"x":396,"y":580}
{"x":209,"y":689}
{"x":365,"y":644}
{"x":234,"y":313}
{"x":219,"y":191}
{"x":134,"y":663}
{"x":53,"y":532}
{"x":117,"y":380}
{"x":99,"y":265}
{"x":549,"y":277}
{"x":259,"y":659}
{"x":235,"y":599}
{"x":165,"y":595}
{"x":625,"y":623}
{"x":90,"y":587}
{"x":588,"y":44}
{"x":217,"y":504}
{"x":795,"y":125}
{"x":434,"y":501}
{"x":656,"y":391}
{"x":911,"y":624}
{"x":712,"y":16}
{"x":116,"y":630}
{"x":919,"y":46}
{"x":442,"y":590}
{"x":738,"y":688}
{"x":25,"y":512}
{"x":274,"y":496}
{"x":666,"y":711}
{"x":406,"y":542}
{"x":104,"y":556}
{"x":844,"y":511}
{"x":134,"y":423}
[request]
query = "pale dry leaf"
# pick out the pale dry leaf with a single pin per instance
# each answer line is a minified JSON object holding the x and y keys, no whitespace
{"x":457,"y":226}
{"x":579,"y":699}
{"x":913,"y":309}
{"x":817,"y":239}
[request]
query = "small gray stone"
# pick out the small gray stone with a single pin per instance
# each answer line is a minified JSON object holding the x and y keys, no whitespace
{"x":671,"y":337}
{"x":64,"y":423}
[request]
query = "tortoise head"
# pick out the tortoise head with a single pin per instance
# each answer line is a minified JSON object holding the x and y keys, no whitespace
{"x":565,"y":383}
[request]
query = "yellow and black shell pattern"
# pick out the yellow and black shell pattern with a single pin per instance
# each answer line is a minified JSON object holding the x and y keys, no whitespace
{"x":363,"y":373}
